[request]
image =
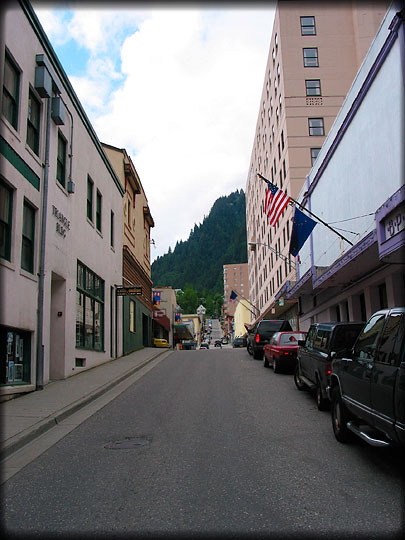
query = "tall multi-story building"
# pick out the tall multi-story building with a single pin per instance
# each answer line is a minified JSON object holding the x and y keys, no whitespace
{"x":235,"y":279}
{"x":315,"y":52}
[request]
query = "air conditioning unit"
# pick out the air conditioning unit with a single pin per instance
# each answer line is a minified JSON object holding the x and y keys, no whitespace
{"x":58,"y":111}
{"x":43,"y":82}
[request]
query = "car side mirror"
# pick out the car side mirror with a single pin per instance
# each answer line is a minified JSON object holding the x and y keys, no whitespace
{"x":301,"y":342}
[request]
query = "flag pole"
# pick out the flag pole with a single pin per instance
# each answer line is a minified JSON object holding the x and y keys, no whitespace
{"x":238,"y":294}
{"x":312,"y":214}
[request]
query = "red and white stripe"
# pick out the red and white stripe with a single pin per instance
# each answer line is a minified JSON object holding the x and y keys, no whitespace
{"x":275,"y":204}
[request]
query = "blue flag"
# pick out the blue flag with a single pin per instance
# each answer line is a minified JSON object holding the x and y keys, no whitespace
{"x":302,"y":228}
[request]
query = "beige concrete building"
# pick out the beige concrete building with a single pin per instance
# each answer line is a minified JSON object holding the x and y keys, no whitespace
{"x":194,"y":320}
{"x":315,"y":52}
{"x":61,"y":206}
{"x":242,"y":317}
{"x":135,"y":230}
{"x":235,"y":278}
{"x":165,"y":309}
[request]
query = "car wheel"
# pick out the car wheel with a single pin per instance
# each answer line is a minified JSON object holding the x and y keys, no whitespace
{"x":297,"y":379}
{"x":340,"y":417}
{"x":321,"y":402}
{"x":276,"y":367}
{"x":249,"y":349}
{"x":265,"y":361}
{"x":257,"y":355}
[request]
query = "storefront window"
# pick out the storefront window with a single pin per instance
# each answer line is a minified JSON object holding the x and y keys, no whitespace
{"x":132,"y":316}
{"x":97,"y":326}
{"x":89,"y":309}
{"x":15,"y":346}
{"x":89,"y":324}
{"x":79,"y":319}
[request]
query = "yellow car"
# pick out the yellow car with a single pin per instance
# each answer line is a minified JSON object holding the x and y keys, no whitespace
{"x":157,"y":342}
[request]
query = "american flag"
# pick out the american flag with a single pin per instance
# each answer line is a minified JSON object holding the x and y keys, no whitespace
{"x":233,"y":296}
{"x":275,"y":202}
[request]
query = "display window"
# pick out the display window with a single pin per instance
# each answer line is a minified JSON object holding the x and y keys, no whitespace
{"x":15,"y":356}
{"x":89,"y":309}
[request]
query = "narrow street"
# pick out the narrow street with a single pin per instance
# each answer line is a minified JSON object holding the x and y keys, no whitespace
{"x":209,"y":441}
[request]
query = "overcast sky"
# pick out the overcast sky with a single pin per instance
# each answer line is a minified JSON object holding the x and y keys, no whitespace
{"x":178,"y":87}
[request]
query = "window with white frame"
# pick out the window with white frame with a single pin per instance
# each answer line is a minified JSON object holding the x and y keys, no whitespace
{"x":11,"y":91}
{"x":308,"y":26}
{"x":311,"y":57}
{"x":316,"y":126}
{"x":313,"y":87}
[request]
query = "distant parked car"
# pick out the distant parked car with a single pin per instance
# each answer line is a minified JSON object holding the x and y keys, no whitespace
{"x":204,"y":345}
{"x":189,"y":345}
{"x":157,"y":342}
{"x":315,"y":356}
{"x":218,"y":343}
{"x":262,"y":333}
{"x":281,"y":352}
{"x":238,"y":342}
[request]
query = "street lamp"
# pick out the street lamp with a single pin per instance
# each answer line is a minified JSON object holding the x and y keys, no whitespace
{"x":282,"y":257}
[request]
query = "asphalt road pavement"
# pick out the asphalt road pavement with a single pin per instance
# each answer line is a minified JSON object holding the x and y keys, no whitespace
{"x":208,"y":441}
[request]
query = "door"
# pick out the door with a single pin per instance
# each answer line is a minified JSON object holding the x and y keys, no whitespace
{"x":385,"y":371}
{"x":357,"y":371}
{"x":57,"y":327}
{"x":305,"y":352}
{"x":145,"y":330}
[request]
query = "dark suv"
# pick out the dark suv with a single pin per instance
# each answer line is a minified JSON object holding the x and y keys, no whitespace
{"x":368,"y":383}
{"x":315,"y":356}
{"x":262,"y":333}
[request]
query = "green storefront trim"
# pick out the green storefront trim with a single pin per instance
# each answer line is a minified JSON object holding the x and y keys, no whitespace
{"x":143,"y":325}
{"x":11,"y":155}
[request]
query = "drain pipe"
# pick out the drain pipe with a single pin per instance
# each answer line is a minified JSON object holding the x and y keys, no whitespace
{"x":40,"y":327}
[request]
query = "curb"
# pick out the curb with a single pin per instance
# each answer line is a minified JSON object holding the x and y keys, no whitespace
{"x":18,"y":441}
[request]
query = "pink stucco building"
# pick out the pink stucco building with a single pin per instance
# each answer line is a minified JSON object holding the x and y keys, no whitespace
{"x":315,"y":52}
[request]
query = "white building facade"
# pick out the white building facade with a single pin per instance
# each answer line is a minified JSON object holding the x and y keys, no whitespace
{"x":357,"y":186}
{"x":61,"y":215}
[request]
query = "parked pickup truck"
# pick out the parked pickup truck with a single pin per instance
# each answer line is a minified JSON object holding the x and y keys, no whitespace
{"x":367,"y":388}
{"x":314,"y":359}
{"x":262,"y":333}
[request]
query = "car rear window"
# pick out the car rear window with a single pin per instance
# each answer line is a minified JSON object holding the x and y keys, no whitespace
{"x":291,"y":339}
{"x":272,"y":326}
{"x":321,"y":340}
{"x":345,"y":336}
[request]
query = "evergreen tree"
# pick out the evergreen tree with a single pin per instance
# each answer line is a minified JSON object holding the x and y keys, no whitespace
{"x":198,"y":262}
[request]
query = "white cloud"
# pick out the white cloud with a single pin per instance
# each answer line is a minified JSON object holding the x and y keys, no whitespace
{"x":184,"y":105}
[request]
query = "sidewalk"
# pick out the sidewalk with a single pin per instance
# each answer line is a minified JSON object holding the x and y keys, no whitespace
{"x":26,"y":417}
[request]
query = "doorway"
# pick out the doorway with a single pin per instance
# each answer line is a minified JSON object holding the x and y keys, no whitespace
{"x":145,"y":330}
{"x":57,"y":327}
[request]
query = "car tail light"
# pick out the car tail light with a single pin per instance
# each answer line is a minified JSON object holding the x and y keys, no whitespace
{"x":328,"y":367}
{"x":257,"y":338}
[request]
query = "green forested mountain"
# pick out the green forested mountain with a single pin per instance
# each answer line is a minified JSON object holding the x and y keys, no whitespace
{"x":197,"y":262}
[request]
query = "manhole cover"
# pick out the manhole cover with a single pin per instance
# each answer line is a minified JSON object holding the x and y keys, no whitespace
{"x":130,"y":442}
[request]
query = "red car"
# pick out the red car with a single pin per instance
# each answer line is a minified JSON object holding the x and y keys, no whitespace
{"x":281,"y":351}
